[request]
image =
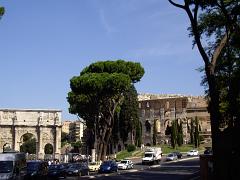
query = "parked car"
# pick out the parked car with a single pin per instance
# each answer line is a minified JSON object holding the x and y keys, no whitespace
{"x":125,"y":164}
{"x":171,"y":157}
{"x":208,"y":151}
{"x":179,"y":155}
{"x":94,"y":166}
{"x":108,"y":166}
{"x":57,"y":171}
{"x":192,"y":153}
{"x":78,"y":169}
{"x":37,"y":169}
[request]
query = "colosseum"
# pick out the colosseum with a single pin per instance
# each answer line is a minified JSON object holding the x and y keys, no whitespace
{"x":161,"y":110}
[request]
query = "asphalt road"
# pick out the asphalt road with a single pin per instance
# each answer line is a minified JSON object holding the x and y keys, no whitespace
{"x":183,"y":169}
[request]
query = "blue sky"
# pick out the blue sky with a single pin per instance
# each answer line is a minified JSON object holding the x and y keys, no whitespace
{"x":44,"y":43}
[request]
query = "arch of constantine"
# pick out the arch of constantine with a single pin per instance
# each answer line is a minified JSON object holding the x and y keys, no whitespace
{"x":44,"y":125}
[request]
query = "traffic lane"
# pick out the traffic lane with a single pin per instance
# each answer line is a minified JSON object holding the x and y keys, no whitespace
{"x":177,"y":170}
{"x":188,"y":161}
{"x":177,"y":165}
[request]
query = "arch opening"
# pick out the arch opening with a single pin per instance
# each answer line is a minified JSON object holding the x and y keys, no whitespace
{"x":48,"y":149}
{"x":28,"y":141}
{"x":148,"y":126}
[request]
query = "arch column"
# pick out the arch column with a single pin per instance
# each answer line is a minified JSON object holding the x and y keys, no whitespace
{"x":57,"y":145}
{"x":16,"y":139}
{"x":40,"y":148}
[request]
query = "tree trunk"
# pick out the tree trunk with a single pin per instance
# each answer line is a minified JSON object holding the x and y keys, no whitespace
{"x":221,"y":141}
{"x":104,"y":152}
{"x":99,"y":152}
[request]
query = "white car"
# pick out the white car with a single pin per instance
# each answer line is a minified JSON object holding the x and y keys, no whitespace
{"x":125,"y":164}
{"x":192,"y":153}
{"x":171,"y":157}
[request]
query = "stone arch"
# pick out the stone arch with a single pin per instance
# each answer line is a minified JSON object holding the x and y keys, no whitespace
{"x":148,"y":126}
{"x":167,"y":122}
{"x":27,"y":133}
{"x":28,"y":143}
{"x":7,"y":147}
{"x":148,"y":144}
{"x":43,"y":124}
{"x":48,"y":148}
{"x":167,"y":125}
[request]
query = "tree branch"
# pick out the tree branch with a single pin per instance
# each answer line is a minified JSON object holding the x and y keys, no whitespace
{"x":197,"y":37}
{"x":218,"y":50}
{"x":177,"y":5}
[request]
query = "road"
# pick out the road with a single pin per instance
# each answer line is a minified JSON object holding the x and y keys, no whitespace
{"x":186,"y":168}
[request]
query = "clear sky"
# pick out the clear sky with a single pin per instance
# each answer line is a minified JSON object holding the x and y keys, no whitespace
{"x":46,"y":42}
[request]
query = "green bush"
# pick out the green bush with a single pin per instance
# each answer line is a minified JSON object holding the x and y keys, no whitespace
{"x":131,"y":148}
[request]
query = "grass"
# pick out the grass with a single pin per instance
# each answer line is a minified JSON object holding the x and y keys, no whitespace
{"x":125,"y":154}
{"x":165,"y":149}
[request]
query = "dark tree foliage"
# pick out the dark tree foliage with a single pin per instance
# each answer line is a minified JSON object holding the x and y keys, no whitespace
{"x":64,"y":137}
{"x":154,"y":133}
{"x":129,"y":117}
{"x":168,"y":130}
{"x":48,"y":149}
{"x":180,"y":134}
{"x":29,"y":144}
{"x":138,"y":137}
{"x":2,"y":11}
{"x":76,"y":147}
{"x":196,"y":133}
{"x":192,"y":132}
{"x":97,"y":95}
{"x":174,"y":132}
{"x":215,"y":27}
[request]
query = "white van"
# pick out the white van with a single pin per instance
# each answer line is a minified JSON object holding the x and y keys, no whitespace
{"x":13,"y":165}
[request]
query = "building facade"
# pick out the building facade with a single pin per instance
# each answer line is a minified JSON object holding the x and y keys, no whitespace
{"x":66,"y":126}
{"x":74,"y":129}
{"x":43,"y":124}
{"x":158,"y":111}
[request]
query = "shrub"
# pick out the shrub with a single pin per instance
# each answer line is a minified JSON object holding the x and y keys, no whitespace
{"x":131,"y":148}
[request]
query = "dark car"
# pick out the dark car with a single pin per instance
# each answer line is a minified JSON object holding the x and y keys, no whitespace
{"x":37,"y":170}
{"x":208,"y":151}
{"x":179,"y":155}
{"x":108,"y":166}
{"x":78,"y":169}
{"x":56,"y":171}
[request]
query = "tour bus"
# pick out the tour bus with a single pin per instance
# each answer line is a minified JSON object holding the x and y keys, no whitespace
{"x":13,"y":165}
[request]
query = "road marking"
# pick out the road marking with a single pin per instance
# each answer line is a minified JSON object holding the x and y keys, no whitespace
{"x":197,"y":166}
{"x":154,"y":166}
{"x":92,"y":177}
{"x":132,"y":170}
{"x":185,"y":159}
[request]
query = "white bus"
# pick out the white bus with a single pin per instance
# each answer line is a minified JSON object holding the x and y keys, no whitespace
{"x":13,"y":166}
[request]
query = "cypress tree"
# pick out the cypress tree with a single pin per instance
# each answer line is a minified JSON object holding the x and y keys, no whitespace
{"x":154,"y":133}
{"x":174,"y":134}
{"x":196,"y":133}
{"x":180,"y":134}
{"x":191,"y":132}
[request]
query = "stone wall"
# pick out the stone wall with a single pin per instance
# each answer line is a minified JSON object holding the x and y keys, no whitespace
{"x":44,"y":125}
{"x":163,"y":109}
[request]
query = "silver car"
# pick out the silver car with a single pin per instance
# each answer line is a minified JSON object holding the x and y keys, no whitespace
{"x":125,"y":164}
{"x":171,"y":157}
